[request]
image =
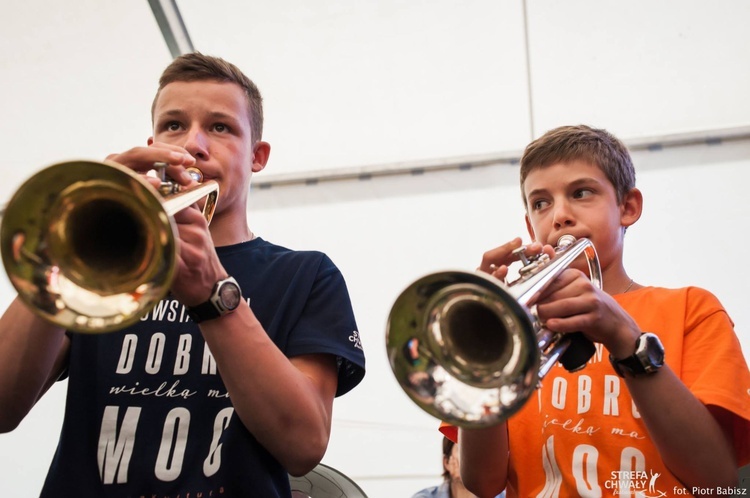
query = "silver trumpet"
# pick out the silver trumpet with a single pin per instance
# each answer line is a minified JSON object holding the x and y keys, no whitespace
{"x":469,"y":349}
{"x":92,"y":246}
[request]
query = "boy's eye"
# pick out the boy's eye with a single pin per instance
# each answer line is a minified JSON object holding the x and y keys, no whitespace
{"x":221,"y":128}
{"x":172,"y":126}
{"x":581,"y":193}
{"x":539,"y":204}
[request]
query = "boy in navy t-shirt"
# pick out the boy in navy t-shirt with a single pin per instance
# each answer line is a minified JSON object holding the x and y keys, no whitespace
{"x":227,"y":385}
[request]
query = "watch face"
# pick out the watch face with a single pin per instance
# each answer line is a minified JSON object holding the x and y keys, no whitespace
{"x":651,"y":352}
{"x":229,"y":295}
{"x":656,"y":355}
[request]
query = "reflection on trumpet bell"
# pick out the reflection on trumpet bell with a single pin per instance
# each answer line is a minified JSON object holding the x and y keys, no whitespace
{"x":92,"y":246}
{"x":467,"y":348}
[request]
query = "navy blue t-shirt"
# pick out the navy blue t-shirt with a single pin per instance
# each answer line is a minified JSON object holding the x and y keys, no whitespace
{"x":147,"y":413}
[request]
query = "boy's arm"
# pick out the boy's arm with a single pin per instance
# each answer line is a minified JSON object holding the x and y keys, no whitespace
{"x":484,"y":459}
{"x":285,"y":403}
{"x":689,"y":438}
{"x":32,"y":355}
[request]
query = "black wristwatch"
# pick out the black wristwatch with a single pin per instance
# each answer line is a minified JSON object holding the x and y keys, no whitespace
{"x":647,"y":359}
{"x":225,"y":298}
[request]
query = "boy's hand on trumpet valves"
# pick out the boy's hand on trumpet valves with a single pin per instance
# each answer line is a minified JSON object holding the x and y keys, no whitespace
{"x":142,"y":160}
{"x":496,"y":261}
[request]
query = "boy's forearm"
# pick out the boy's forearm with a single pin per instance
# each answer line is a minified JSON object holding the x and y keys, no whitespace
{"x":484,"y":459}
{"x":276,"y":401}
{"x":690,"y":440}
{"x":30,"y":351}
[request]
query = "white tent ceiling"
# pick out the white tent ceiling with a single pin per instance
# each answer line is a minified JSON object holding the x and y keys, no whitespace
{"x":364,"y":86}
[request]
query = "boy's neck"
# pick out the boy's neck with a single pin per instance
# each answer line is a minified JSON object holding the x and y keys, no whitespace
{"x":616,"y":281}
{"x":229,"y":230}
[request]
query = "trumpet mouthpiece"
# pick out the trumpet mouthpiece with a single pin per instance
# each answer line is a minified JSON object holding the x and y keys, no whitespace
{"x":565,"y":240}
{"x":196,"y":174}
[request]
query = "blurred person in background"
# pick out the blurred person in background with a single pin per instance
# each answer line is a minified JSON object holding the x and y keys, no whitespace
{"x":452,"y":485}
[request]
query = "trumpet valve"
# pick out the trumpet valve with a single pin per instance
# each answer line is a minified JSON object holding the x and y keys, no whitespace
{"x":167,"y":186}
{"x":520,"y":253}
{"x":533,"y":264}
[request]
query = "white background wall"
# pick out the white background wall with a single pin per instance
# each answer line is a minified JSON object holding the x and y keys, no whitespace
{"x":351,"y":84}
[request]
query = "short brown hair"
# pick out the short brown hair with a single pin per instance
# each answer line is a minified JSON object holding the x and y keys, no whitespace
{"x":198,"y":67}
{"x":584,"y":143}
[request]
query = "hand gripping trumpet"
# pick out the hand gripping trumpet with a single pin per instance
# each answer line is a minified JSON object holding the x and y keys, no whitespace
{"x":470,"y":350}
{"x":92,"y":246}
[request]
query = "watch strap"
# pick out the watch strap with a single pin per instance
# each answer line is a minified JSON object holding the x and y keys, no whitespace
{"x":631,"y":365}
{"x":641,"y":362}
{"x":204,"y":311}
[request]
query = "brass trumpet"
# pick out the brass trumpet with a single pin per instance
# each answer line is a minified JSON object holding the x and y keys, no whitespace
{"x":469,"y":349}
{"x":92,"y":246}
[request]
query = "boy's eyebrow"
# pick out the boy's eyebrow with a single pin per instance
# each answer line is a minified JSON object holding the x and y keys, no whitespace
{"x":223,"y":116}
{"x":218,"y":115}
{"x":579,"y":182}
{"x":584,"y":181}
{"x":171,"y":112}
{"x":536,"y":191}
{"x":168,"y":115}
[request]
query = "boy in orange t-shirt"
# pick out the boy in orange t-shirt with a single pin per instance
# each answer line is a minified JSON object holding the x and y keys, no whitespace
{"x":627,"y":424}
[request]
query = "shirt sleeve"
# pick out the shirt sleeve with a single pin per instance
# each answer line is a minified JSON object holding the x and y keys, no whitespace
{"x":712,"y":355}
{"x":327,"y":325}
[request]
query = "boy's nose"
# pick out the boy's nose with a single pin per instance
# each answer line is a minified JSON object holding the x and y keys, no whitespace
{"x":563,"y":216}
{"x":196,"y":144}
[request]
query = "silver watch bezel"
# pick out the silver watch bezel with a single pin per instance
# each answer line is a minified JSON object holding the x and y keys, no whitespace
{"x":647,"y":345}
{"x":217,"y":299}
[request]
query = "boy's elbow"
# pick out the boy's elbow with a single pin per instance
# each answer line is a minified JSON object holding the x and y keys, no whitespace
{"x":486,"y":492}
{"x":4,"y":428}
{"x":13,"y":409}
{"x":300,"y":465}
{"x":8,"y":422}
{"x":300,"y":461}
{"x":485,"y":486}
{"x":299,"y":469}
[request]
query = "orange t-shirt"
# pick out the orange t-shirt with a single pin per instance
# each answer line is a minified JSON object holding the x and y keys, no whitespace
{"x":580,"y":434}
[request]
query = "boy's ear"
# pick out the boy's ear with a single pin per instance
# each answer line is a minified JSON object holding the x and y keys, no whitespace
{"x":261,"y":151}
{"x":631,"y":207}
{"x":529,"y":228}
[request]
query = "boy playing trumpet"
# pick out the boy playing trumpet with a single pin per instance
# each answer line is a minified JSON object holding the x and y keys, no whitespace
{"x":664,"y":407}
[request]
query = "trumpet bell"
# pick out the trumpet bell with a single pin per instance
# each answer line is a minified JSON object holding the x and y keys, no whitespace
{"x":462,"y":349}
{"x":469,"y":349}
{"x":88,"y":245}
